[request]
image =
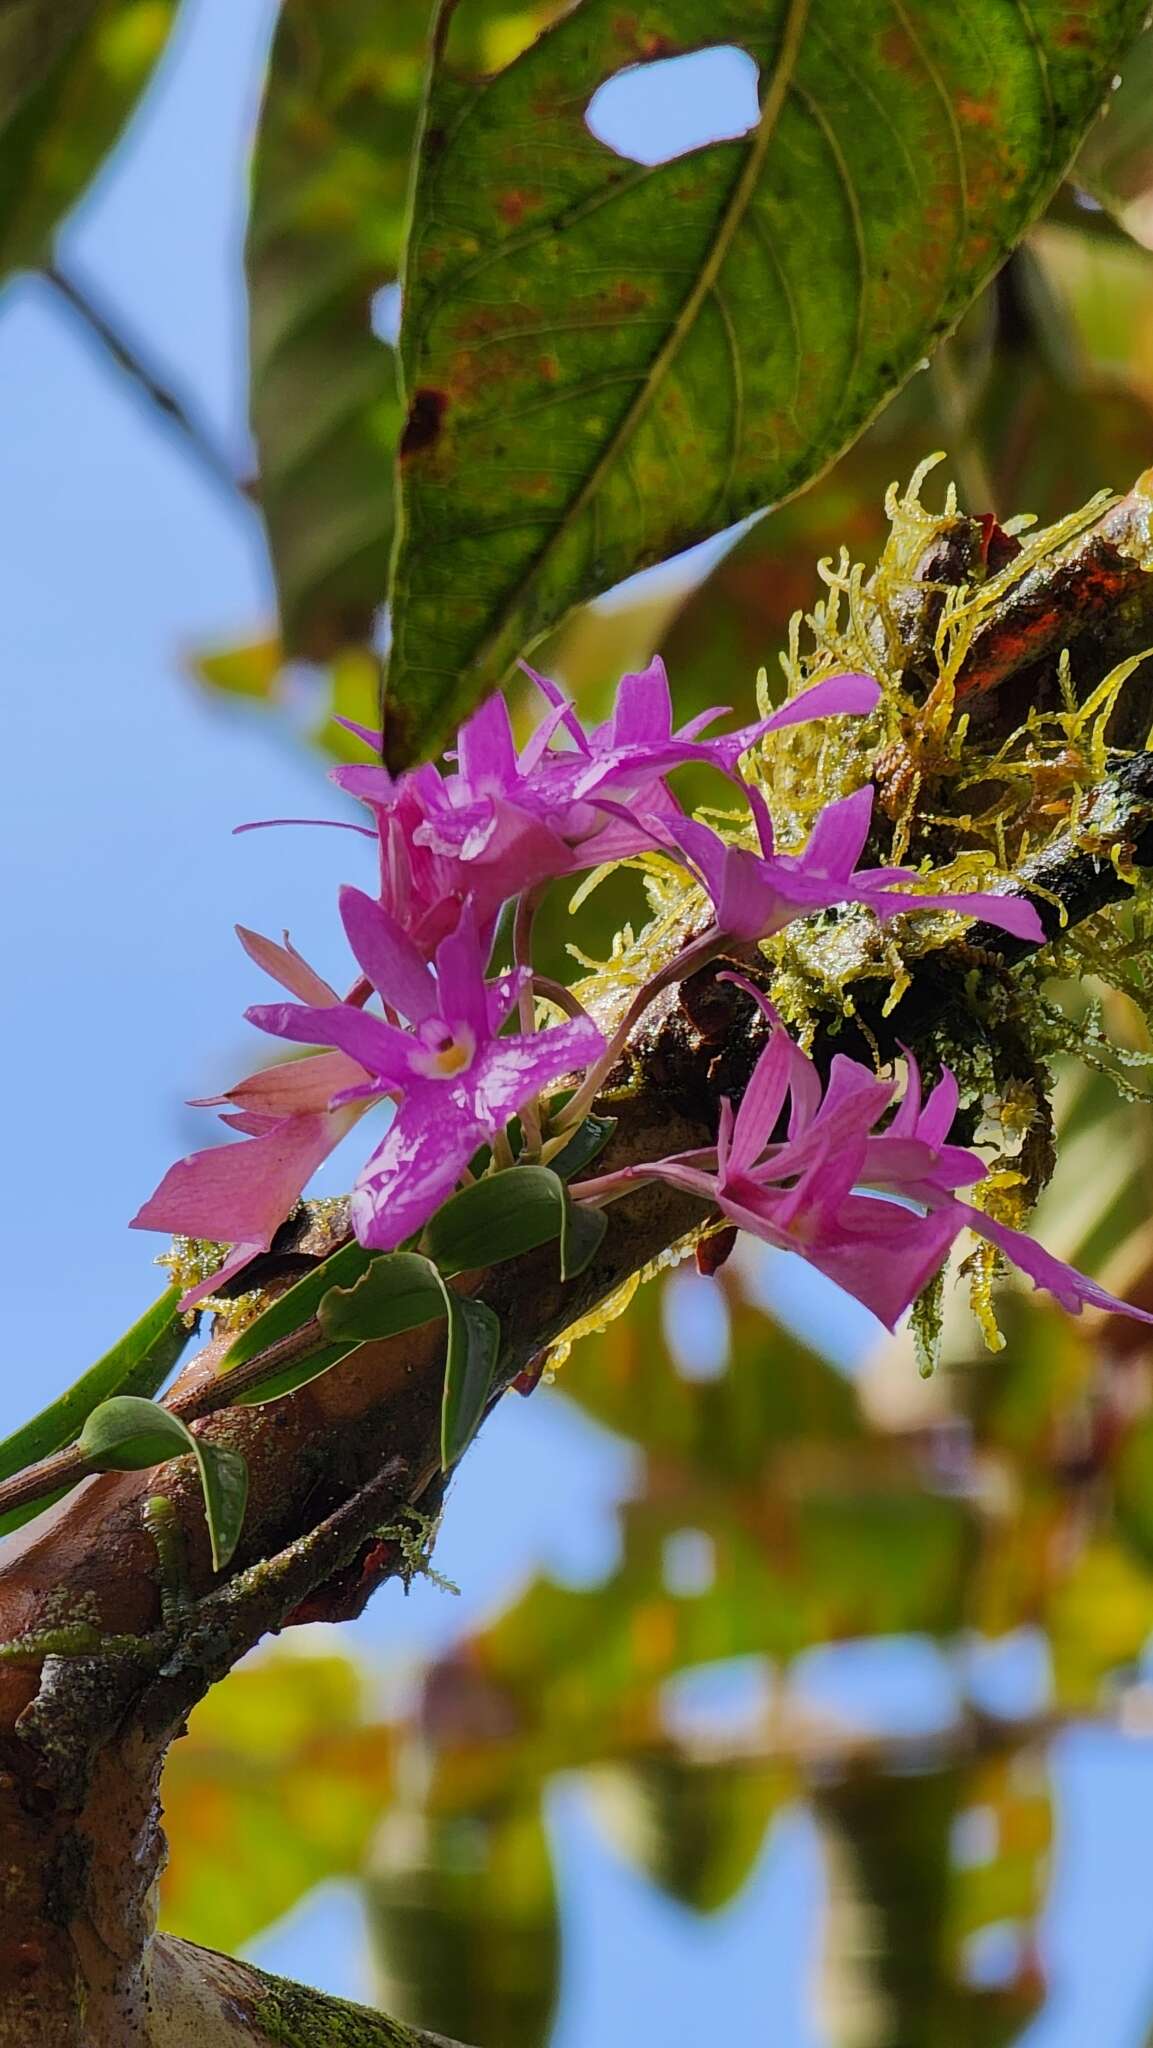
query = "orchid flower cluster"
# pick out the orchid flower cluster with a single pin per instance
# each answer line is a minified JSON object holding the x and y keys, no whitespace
{"x":865,"y":1192}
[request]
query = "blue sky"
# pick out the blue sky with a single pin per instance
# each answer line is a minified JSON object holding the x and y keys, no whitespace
{"x":120,"y":786}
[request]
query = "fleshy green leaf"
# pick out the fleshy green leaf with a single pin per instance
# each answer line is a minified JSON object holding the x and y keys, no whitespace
{"x":137,"y":1364}
{"x":510,"y":1213}
{"x":297,"y":1305}
{"x":70,"y":73}
{"x":605,"y":362}
{"x":581,"y":1232}
{"x":473,"y":1349}
{"x":128,"y":1434}
{"x":590,"y":1138}
{"x":400,"y":1291}
{"x":497,"y":1218}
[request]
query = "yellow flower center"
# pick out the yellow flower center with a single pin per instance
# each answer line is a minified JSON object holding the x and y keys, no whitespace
{"x":456,"y":1055}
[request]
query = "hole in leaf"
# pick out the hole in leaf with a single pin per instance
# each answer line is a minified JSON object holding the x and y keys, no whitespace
{"x":386,"y":314}
{"x":650,"y":113}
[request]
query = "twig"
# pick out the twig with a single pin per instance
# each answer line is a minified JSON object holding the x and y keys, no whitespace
{"x":128,"y":356}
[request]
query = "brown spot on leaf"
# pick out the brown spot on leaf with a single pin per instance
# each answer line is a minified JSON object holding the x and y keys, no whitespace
{"x":422,"y":427}
{"x":513,"y":205}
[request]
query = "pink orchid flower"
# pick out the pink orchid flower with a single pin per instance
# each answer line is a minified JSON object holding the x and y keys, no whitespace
{"x":874,"y":1210}
{"x":504,"y":822}
{"x":756,"y":894}
{"x":460,"y":1080}
{"x":240,"y":1194}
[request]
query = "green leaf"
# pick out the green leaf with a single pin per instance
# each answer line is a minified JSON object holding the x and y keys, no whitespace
{"x":297,"y":1305}
{"x":695,"y":1829}
{"x":510,"y":1213}
{"x":128,"y":1434}
{"x":497,"y":1218}
{"x":581,"y":1232}
{"x":462,"y":1913}
{"x":400,"y":1291}
{"x":70,"y":73}
{"x":137,"y":1364}
{"x":473,"y":1349}
{"x":590,"y":1138}
{"x":610,"y":362}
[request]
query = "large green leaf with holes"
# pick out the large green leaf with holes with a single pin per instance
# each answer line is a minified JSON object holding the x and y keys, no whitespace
{"x":70,"y":73}
{"x":605,"y":361}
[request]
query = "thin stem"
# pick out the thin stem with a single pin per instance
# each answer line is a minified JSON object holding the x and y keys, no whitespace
{"x":129,"y":357}
{"x":555,"y":992}
{"x":695,"y":955}
{"x":522,"y":957}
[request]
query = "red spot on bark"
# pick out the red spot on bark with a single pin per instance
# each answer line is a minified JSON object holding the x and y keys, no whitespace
{"x":548,"y":368}
{"x":423,"y":424}
{"x":998,"y":548}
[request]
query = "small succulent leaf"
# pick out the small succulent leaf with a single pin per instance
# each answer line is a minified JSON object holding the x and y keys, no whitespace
{"x":497,"y":1218}
{"x":399,"y":1291}
{"x":224,"y":1482}
{"x":587,"y":1140}
{"x":129,"y":1434}
{"x":470,"y":1363}
{"x":581,"y":1234}
{"x":696,"y":338}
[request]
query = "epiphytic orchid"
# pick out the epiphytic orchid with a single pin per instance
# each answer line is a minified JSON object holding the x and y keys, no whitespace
{"x":756,"y":894}
{"x":460,"y":1081}
{"x":503,"y":822}
{"x":874,"y":1210}
{"x":241,"y":1194}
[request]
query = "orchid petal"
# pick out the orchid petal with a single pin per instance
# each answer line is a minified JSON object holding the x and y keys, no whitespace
{"x":243,"y":1192}
{"x":379,"y":1048}
{"x":836,"y":696}
{"x":388,"y":957}
{"x":1072,"y":1289}
{"x":285,"y":965}
{"x":294,"y":1087}
{"x":417,"y":1164}
{"x":838,"y":836}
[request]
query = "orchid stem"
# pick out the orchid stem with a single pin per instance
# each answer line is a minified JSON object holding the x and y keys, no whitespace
{"x":696,"y":954}
{"x":526,"y":910}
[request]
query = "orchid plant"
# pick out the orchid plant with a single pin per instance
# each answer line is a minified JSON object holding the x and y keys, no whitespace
{"x":828,"y":1169}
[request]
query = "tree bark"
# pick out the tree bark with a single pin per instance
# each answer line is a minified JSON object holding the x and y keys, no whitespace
{"x":107,"y":1643}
